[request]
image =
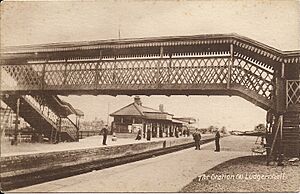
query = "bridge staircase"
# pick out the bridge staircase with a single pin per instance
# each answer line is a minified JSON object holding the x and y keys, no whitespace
{"x":291,"y":133}
{"x":42,"y":118}
{"x":45,"y":113}
{"x":4,"y":118}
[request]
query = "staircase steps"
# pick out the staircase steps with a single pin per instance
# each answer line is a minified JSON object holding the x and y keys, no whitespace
{"x":291,"y":134}
{"x":31,"y":114}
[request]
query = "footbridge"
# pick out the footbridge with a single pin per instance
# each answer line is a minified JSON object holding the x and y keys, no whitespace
{"x":188,"y":65}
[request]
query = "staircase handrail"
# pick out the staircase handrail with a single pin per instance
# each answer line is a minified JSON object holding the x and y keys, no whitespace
{"x":68,"y":127}
{"x":279,"y":127}
{"x":52,"y":116}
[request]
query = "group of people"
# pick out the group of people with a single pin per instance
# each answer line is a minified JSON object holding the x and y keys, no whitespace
{"x":196,"y":135}
{"x":197,"y":138}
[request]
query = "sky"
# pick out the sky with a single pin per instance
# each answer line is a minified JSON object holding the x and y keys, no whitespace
{"x":275,"y":23}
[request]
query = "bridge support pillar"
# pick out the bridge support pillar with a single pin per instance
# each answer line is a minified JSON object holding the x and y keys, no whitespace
{"x":287,"y":107}
{"x":15,"y":140}
{"x":230,"y":64}
{"x":280,"y":95}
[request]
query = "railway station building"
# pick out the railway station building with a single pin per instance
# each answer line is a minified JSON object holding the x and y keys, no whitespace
{"x":135,"y":117}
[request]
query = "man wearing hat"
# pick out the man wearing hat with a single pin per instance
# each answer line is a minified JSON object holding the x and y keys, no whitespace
{"x":104,"y":133}
{"x":217,"y":141}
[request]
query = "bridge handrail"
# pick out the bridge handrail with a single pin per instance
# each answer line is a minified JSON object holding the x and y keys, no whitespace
{"x":68,"y":126}
{"x":47,"y":112}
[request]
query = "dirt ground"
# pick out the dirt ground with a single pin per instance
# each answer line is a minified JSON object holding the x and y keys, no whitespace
{"x":235,"y":144}
{"x":248,"y":174}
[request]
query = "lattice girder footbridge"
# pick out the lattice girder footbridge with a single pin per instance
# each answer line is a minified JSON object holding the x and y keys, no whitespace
{"x":187,"y":65}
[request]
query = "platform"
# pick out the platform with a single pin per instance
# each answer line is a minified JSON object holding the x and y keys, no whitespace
{"x":89,"y":142}
{"x":166,"y":173}
{"x":20,"y":169}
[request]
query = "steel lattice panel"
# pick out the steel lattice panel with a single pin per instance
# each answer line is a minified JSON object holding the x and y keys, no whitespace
{"x":293,"y":92}
{"x":253,"y":77}
{"x":26,"y":76}
{"x":202,"y":72}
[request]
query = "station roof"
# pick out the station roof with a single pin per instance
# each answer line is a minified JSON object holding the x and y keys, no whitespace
{"x":135,"y":109}
{"x":178,"y":121}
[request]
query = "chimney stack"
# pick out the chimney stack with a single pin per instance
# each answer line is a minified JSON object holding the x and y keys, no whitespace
{"x":137,"y":100}
{"x":161,"y":108}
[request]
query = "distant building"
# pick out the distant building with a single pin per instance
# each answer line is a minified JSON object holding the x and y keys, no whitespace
{"x":135,"y":117}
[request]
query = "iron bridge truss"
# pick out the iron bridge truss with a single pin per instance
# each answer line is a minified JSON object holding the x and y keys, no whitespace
{"x":204,"y":65}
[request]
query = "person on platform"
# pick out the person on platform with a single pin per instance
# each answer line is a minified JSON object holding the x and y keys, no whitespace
{"x":114,"y":137}
{"x":176,"y":133}
{"x":148,"y":135}
{"x":197,"y":138}
{"x":104,"y":133}
{"x":139,"y":135}
{"x":217,"y":141}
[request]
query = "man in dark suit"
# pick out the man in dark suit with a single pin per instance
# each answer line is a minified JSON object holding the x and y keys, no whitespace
{"x":149,"y":134}
{"x":197,"y":138}
{"x":104,"y":133}
{"x":217,"y":141}
{"x":139,"y":135}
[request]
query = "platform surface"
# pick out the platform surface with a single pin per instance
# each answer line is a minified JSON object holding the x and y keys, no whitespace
{"x":166,"y":173}
{"x":88,"y":142}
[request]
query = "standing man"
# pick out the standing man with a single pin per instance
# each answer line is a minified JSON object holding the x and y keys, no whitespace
{"x":139,"y":135}
{"x":176,"y":132}
{"x":104,"y":133}
{"x":197,"y":138}
{"x":217,"y":141}
{"x":148,"y":134}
